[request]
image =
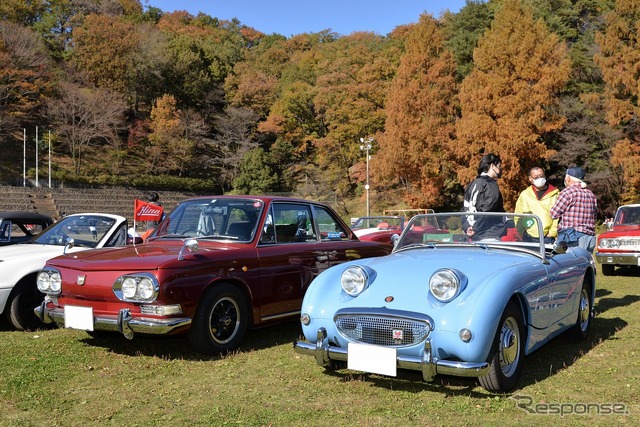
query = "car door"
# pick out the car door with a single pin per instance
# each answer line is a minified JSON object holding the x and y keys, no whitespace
{"x":338,"y":242}
{"x":291,"y":256}
{"x":565,"y":279}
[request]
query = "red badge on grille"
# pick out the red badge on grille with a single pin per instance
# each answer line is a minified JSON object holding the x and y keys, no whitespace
{"x":397,"y":334}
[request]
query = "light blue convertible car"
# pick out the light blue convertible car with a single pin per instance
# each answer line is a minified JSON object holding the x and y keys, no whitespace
{"x":444,"y":303}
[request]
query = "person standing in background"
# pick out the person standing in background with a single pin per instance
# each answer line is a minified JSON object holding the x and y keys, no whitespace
{"x":483,"y":195}
{"x":538,"y":199}
{"x":154,"y":199}
{"x":576,"y":208}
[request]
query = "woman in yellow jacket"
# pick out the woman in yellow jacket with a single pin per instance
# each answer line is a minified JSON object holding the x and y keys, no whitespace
{"x":538,"y":199}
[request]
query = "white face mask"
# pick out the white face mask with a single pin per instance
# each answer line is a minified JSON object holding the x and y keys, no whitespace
{"x":539,"y":182}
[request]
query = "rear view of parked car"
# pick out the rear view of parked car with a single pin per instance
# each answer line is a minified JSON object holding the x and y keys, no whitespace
{"x":214,"y":267}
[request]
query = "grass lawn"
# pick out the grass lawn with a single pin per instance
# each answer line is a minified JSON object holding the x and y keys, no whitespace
{"x":63,"y":377}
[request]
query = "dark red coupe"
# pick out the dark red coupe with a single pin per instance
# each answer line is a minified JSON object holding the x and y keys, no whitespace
{"x":214,"y":267}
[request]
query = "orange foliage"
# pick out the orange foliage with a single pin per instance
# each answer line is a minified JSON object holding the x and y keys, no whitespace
{"x":421,"y":111}
{"x":619,"y":60}
{"x":506,"y":101}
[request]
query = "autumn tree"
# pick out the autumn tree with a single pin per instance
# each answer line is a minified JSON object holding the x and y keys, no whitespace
{"x":166,"y":140}
{"x":84,"y":117}
{"x":24,"y":77}
{"x":354,"y":75}
{"x":421,"y":112}
{"x":201,"y":51}
{"x":104,"y":48}
{"x":508,"y":99}
{"x":619,"y":60}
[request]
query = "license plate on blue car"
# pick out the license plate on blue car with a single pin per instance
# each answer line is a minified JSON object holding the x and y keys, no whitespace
{"x":372,"y":358}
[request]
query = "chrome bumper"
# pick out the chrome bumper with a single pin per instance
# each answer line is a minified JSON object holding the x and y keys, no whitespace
{"x":427,"y":364}
{"x":630,"y":258}
{"x":123,"y":322}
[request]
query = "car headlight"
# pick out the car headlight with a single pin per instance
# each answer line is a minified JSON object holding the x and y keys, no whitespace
{"x":354,"y":280}
{"x":445,"y":284}
{"x":136,"y":287}
{"x":49,"y":281}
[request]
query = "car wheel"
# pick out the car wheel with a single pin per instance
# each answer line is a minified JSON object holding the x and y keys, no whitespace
{"x":25,"y":297}
{"x":608,"y":269}
{"x":220,"y":321}
{"x":580,"y":330}
{"x":507,"y":353}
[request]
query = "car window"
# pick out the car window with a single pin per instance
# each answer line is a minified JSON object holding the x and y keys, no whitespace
{"x":119,"y":238}
{"x":85,"y":230}
{"x":328,"y":226}
{"x":628,"y":216}
{"x":5,"y":231}
{"x":288,"y":223}
{"x":228,"y":219}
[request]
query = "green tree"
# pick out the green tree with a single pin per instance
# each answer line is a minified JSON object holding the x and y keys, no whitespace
{"x":421,"y":112}
{"x":255,"y":175}
{"x":508,"y":99}
{"x":462,"y":31}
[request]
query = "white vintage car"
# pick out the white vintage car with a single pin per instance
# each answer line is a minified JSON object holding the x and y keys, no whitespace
{"x":20,"y":264}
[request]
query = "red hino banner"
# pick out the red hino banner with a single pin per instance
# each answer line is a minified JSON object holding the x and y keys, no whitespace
{"x":144,"y":211}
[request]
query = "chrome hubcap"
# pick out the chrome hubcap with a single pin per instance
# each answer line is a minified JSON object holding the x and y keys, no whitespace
{"x":509,"y":346}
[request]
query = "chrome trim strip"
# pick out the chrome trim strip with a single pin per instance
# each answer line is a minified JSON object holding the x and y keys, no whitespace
{"x":618,"y":258}
{"x":280,"y":316}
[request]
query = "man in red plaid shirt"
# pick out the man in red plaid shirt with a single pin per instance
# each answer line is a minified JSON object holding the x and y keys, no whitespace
{"x":576,"y":207}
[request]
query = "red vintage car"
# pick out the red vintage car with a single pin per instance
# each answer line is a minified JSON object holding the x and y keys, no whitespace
{"x":378,"y":228}
{"x":214,"y":267}
{"x":620,"y":246}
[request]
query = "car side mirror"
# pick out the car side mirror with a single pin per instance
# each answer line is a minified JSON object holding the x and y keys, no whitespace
{"x":395,"y":238}
{"x":560,"y":247}
{"x":69,"y":244}
{"x":190,"y":245}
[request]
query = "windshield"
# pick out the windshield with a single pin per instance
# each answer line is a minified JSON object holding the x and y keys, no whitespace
{"x":628,"y":215}
{"x":216,"y":218}
{"x":85,"y":230}
{"x":500,"y":229}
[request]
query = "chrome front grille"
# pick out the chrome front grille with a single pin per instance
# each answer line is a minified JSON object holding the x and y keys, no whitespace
{"x":383,"y":330}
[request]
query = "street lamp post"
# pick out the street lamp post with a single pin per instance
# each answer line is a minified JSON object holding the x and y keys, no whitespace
{"x":366,"y":147}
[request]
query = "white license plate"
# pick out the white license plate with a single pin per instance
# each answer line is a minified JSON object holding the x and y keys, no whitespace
{"x":372,"y":358}
{"x":78,"y":317}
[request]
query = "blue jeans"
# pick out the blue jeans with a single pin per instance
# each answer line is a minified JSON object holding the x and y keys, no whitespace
{"x":577,"y":238}
{"x":586,"y":241}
